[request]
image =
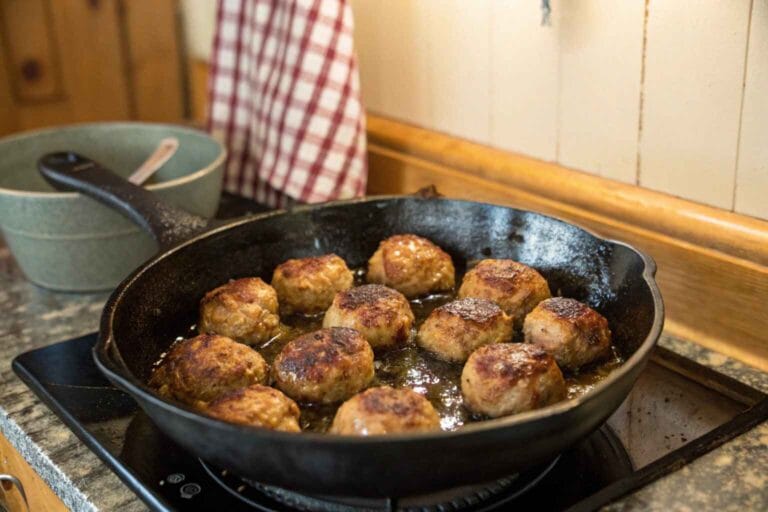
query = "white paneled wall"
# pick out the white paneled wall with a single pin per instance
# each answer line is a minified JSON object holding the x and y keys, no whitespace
{"x":601,"y":49}
{"x":440,"y":80}
{"x":395,"y":60}
{"x":199,"y":18}
{"x":523,"y":116}
{"x":752,"y":170}
{"x":668,"y":94}
{"x":692,"y":93}
{"x":660,"y":93}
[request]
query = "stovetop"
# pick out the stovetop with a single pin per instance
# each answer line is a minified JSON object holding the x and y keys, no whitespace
{"x":677,"y":411}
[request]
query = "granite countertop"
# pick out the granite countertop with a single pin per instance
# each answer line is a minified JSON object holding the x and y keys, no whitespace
{"x":732,"y":477}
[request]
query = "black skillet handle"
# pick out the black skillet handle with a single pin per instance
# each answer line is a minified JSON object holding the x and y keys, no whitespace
{"x":167,"y":224}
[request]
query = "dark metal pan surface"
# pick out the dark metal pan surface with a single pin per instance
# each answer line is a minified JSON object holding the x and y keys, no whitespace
{"x":158,"y":301}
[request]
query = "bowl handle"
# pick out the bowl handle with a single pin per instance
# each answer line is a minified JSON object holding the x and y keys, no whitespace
{"x":167,"y":224}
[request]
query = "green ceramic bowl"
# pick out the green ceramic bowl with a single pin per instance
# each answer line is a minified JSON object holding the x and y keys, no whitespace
{"x":65,"y":241}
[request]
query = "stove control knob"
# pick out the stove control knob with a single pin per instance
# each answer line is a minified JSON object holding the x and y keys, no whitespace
{"x":189,"y":490}
{"x":175,"y":478}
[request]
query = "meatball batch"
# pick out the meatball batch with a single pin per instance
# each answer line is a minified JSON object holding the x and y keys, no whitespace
{"x":197,"y":370}
{"x":411,"y":265}
{"x":257,"y":406}
{"x":517,"y":288}
{"x":508,"y":378}
{"x":385,"y":410}
{"x":308,"y":285}
{"x":244,"y":310}
{"x":324,"y":366}
{"x":382,"y":315}
{"x":452,"y":331}
{"x":572,"y":332}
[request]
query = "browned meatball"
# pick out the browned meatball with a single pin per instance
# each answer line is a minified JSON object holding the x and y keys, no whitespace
{"x":507,"y":378}
{"x":382,"y":315}
{"x":572,"y":332}
{"x":324,"y":366}
{"x":308,"y":285}
{"x":452,"y":331}
{"x":257,"y":406}
{"x":517,"y":288}
{"x":197,"y":370}
{"x":385,"y":410}
{"x":411,"y":265}
{"x":244,"y":310}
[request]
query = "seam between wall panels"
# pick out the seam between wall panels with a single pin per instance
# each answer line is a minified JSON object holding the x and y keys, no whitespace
{"x":559,"y":78}
{"x":638,"y":158}
{"x":489,"y":77}
{"x":741,"y":107}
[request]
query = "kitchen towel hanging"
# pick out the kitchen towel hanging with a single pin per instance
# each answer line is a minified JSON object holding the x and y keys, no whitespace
{"x":284,"y":98}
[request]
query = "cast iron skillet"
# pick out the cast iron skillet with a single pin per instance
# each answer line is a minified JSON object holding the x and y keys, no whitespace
{"x":159,"y":301}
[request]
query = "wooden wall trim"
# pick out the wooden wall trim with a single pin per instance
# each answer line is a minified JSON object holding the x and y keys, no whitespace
{"x":714,"y":297}
{"x":738,"y":235}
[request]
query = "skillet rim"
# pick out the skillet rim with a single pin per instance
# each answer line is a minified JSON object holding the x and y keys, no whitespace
{"x":134,"y":386}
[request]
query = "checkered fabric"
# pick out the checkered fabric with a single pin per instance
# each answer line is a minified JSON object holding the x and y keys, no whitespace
{"x":284,"y":98}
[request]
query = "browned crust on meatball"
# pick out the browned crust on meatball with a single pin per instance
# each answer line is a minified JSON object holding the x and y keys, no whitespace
{"x":325,"y":366}
{"x":296,"y":267}
{"x":308,"y":285}
{"x":572,"y":332}
{"x":382,"y":315}
{"x":452,"y":331}
{"x":509,"y":378}
{"x":412,"y":265}
{"x":366,"y":295}
{"x":308,"y":356}
{"x":385,"y":410}
{"x":387,"y":400}
{"x":511,"y":362}
{"x":505,"y":275}
{"x":478,"y":311}
{"x":515,"y":287}
{"x":375,"y":305}
{"x":241,"y":289}
{"x":392,"y":268}
{"x":257,"y":406}
{"x":586,"y":319}
{"x":244,"y":309}
{"x":199,"y":369}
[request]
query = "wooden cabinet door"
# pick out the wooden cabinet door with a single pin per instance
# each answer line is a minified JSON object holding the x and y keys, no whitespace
{"x":39,"y":496}
{"x":68,"y":61}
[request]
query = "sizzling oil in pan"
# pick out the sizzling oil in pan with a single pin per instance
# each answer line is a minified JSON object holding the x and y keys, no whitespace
{"x":415,"y":368}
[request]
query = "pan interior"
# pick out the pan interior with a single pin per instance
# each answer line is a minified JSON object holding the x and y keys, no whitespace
{"x":163,"y":301}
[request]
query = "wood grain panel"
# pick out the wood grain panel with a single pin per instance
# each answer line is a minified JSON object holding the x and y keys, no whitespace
{"x":601,"y":43}
{"x":154,"y":60}
{"x":9,"y":121}
{"x":711,"y":296}
{"x":692,"y":98}
{"x":198,"y":90}
{"x":752,"y":171}
{"x":41,"y":498}
{"x":95,"y":77}
{"x":33,"y":63}
{"x":524,"y":78}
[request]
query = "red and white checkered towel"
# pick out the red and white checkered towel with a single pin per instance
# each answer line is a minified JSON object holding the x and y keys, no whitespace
{"x":284,"y":98}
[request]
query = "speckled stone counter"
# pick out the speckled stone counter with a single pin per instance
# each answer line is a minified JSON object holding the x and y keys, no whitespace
{"x":732,"y":477}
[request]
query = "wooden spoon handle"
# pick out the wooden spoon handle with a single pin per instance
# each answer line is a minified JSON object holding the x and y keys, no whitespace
{"x":165,"y":150}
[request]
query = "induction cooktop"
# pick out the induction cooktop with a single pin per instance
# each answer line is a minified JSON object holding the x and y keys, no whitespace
{"x":677,"y":411}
